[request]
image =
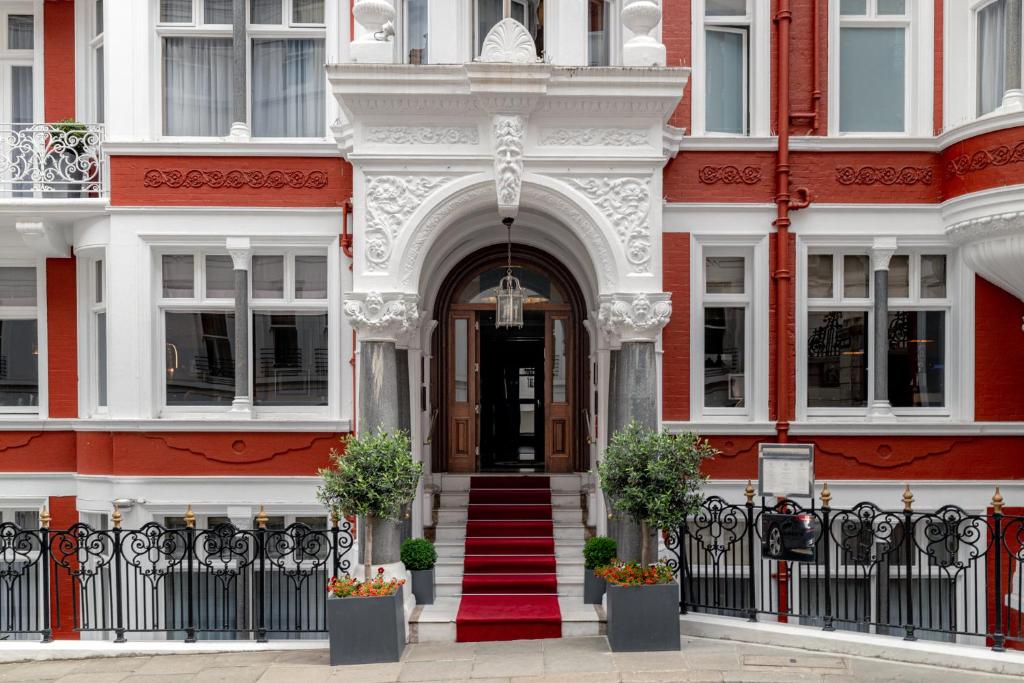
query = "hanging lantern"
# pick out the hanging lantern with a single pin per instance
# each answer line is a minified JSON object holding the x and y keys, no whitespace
{"x":510,"y":292}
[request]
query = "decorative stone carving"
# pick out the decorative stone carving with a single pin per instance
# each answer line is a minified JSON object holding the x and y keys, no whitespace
{"x":729,"y":175}
{"x":884,"y":175}
{"x":993,"y":246}
{"x":641,"y":17}
{"x":509,"y":131}
{"x":195,"y":178}
{"x":626,"y":203}
{"x":240,"y":250}
{"x":882,"y":251}
{"x":374,"y":15}
{"x":423,"y":135}
{"x":509,"y":41}
{"x":382,"y":317}
{"x":988,"y":227}
{"x":634,"y":317}
{"x":1000,"y":155}
{"x":390,"y":201}
{"x":594,"y":137}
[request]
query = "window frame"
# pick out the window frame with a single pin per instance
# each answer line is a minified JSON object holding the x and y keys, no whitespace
{"x":919,"y":77}
{"x":287,"y":29}
{"x":12,"y":58}
{"x":758,"y":67}
{"x":97,"y":305}
{"x":37,"y":313}
{"x":950,"y":305}
{"x":975,"y":8}
{"x":754,"y":250}
{"x":199,"y":302}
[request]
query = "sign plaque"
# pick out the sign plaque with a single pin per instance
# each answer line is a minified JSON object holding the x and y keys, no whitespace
{"x":785,"y":470}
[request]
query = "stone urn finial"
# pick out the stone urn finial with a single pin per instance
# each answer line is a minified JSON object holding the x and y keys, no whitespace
{"x":377,"y":18}
{"x":641,"y":17}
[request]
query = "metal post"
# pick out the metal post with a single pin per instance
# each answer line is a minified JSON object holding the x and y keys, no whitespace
{"x":681,"y":534}
{"x":335,"y":556}
{"x":241,"y":257}
{"x":44,"y":559}
{"x":908,"y":545}
{"x":998,"y":637}
{"x":190,"y":549}
{"x":752,"y":565}
{"x":881,"y":255}
{"x":826,"y":536}
{"x":118,"y":580}
{"x":261,"y":536}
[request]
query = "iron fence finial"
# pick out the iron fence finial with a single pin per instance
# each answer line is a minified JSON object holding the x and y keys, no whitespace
{"x":190,"y":518}
{"x":749,"y":492}
{"x":44,"y":517}
{"x":261,"y":518}
{"x":826,"y":495}
{"x":116,"y":517}
{"x":908,"y":499}
{"x":997,"y":502}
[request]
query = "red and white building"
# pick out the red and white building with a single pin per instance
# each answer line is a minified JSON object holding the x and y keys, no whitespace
{"x":709,"y":195}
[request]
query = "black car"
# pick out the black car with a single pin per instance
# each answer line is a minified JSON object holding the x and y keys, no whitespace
{"x":789,"y":536}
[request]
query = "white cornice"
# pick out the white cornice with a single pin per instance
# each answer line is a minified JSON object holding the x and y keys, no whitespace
{"x":173,"y":425}
{"x":906,"y":427}
{"x":222,"y":147}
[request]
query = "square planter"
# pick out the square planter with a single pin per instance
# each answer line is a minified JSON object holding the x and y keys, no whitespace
{"x":423,"y":585}
{"x":593,"y":587}
{"x":366,"y":630}
{"x":643,"y":618}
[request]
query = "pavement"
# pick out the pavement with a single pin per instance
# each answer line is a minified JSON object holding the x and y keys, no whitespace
{"x":565,"y":660}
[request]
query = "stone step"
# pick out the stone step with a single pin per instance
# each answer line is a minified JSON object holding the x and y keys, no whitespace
{"x":565,"y":550}
{"x":459,"y":483}
{"x":569,"y":574}
{"x":447,"y":515}
{"x":436,"y":623}
{"x":562,"y":532}
{"x":451,"y":587}
{"x":558,"y":500}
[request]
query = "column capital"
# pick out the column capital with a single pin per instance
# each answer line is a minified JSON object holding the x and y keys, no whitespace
{"x":633,"y":317}
{"x":240,"y":249}
{"x":881,"y":252}
{"x":382,"y":316}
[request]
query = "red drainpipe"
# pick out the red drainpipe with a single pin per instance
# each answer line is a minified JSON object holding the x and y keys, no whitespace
{"x":784,"y":204}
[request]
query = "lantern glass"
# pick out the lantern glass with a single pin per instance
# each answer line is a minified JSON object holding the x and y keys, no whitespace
{"x":509,"y":311}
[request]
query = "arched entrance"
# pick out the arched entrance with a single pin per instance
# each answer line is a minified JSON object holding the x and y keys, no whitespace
{"x":510,"y":400}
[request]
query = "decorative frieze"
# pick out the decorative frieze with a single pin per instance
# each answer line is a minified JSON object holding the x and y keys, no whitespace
{"x":390,"y":201}
{"x":884,"y":175}
{"x":195,"y":178}
{"x":509,"y":131}
{"x":634,"y":317}
{"x":423,"y":135}
{"x":594,"y":137}
{"x":729,"y":175}
{"x":377,"y":316}
{"x":1000,"y":155}
{"x":626,"y":203}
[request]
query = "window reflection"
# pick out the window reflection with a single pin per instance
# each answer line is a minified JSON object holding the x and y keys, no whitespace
{"x":200,"y":357}
{"x":837,"y":363}
{"x":290,"y":359}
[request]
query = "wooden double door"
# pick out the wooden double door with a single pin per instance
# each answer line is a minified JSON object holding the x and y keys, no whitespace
{"x":511,"y":394}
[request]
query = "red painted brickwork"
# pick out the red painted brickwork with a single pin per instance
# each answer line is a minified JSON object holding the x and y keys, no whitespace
{"x":38,"y":451}
{"x":998,"y":354}
{"x":682,"y":177}
{"x":63,"y":514}
{"x":62,"y":337}
{"x":675,"y":340}
{"x":982,"y":162}
{"x":676,"y":34}
{"x":801,"y":78}
{"x":59,"y":60}
{"x":229,"y":181}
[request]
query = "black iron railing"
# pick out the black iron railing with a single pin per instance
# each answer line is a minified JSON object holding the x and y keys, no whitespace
{"x":184,"y":583}
{"x":944,"y":574}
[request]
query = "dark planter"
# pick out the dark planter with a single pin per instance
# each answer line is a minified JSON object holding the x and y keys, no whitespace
{"x":593,"y":587}
{"x":643,"y":618}
{"x":387,"y":541}
{"x":423,"y":585}
{"x":366,"y":630}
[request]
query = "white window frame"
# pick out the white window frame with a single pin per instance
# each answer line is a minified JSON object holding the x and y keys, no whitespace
{"x":37,"y":313}
{"x":196,"y":28}
{"x":754,"y":250}
{"x":975,"y":9}
{"x":90,"y":39}
{"x":32,"y":58}
{"x":614,"y":29}
{"x":199,"y":302}
{"x":402,"y":33}
{"x":757,"y":94}
{"x":88,"y":310}
{"x":956,"y":406}
{"x":919,"y":77}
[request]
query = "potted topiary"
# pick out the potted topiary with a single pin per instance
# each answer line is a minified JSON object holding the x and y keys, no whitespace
{"x":654,"y":478}
{"x":598,"y":552}
{"x":373,"y":478}
{"x":419,"y":557}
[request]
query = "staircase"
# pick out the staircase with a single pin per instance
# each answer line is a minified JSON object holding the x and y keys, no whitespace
{"x":510,"y":559}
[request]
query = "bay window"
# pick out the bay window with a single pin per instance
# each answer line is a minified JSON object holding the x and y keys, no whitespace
{"x":997,"y":28}
{"x":529,"y":13}
{"x":288,"y":354}
{"x":874,"y":43}
{"x":19,"y":340}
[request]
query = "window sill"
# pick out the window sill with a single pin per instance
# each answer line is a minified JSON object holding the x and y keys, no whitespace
{"x":713,"y":427}
{"x":278,"y":423}
{"x":292,"y":147}
{"x":903,"y":426}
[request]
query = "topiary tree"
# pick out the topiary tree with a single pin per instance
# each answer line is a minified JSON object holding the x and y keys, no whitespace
{"x":418,"y":554}
{"x":598,"y":551}
{"x":373,"y":477}
{"x":654,"y":477}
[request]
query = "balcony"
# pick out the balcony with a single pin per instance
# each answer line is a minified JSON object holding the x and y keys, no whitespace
{"x":52,"y":161}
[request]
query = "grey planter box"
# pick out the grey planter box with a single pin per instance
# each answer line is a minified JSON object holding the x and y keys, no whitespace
{"x":593,"y":587}
{"x":423,"y":585}
{"x":366,"y":630}
{"x":643,"y":618}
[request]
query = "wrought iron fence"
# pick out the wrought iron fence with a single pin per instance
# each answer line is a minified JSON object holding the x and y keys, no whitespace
{"x":941,"y":575}
{"x":51,"y":160}
{"x":218,"y":583}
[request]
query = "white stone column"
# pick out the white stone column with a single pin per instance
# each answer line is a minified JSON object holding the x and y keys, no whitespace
{"x":640,"y":18}
{"x":881,"y":254}
{"x":375,"y":30}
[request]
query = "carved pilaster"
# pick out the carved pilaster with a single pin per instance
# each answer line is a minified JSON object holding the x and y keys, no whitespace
{"x":634,"y":317}
{"x":509,"y":131}
{"x":379,"y":316}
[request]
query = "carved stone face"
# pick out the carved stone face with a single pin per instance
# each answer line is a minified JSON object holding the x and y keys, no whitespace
{"x":641,"y":309}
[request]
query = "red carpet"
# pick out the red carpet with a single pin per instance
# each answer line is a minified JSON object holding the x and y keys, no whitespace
{"x":509,"y":584}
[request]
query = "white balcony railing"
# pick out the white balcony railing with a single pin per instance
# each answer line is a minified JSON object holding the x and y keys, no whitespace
{"x":52,"y":160}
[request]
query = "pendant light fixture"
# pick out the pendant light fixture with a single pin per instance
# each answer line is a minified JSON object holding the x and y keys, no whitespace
{"x":510,"y":292}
